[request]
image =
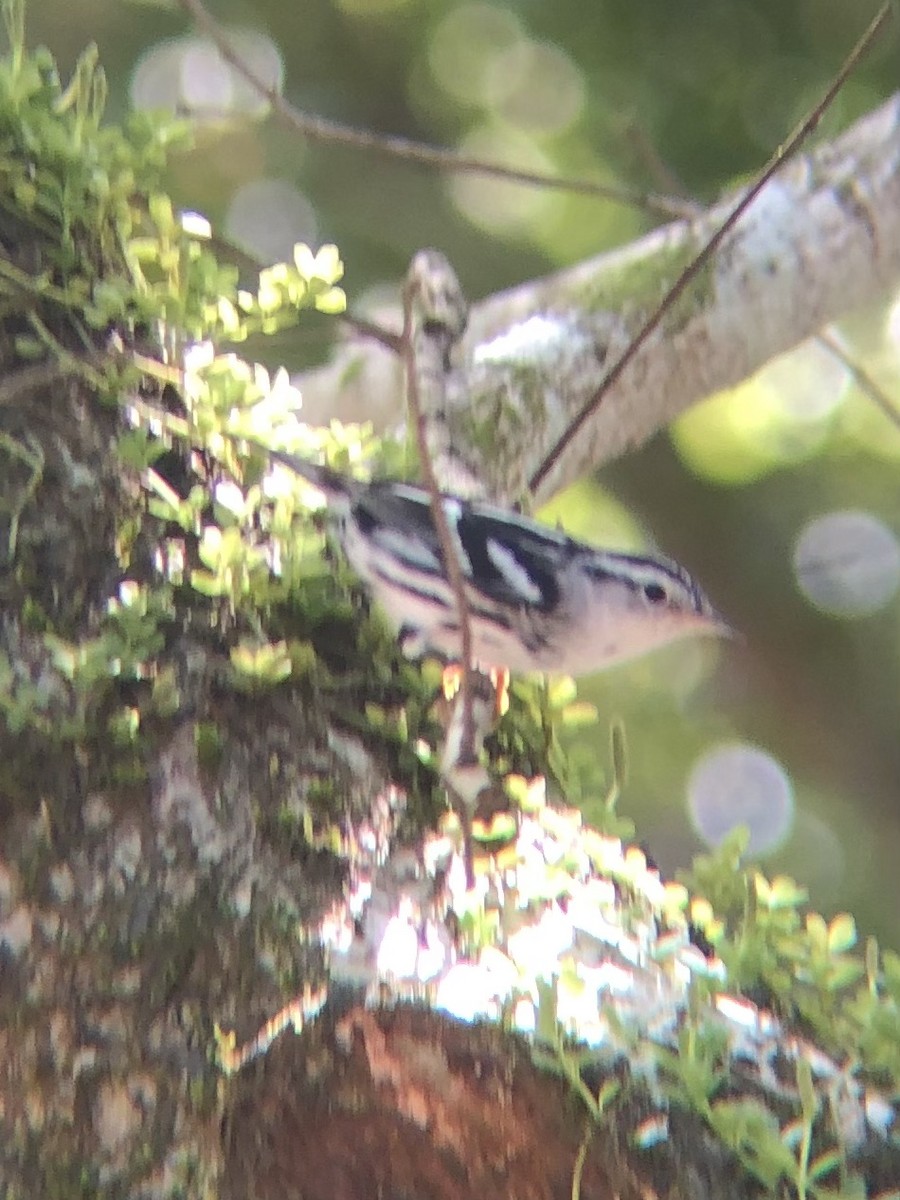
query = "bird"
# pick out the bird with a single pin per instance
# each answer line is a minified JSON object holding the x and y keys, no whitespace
{"x":538,"y":600}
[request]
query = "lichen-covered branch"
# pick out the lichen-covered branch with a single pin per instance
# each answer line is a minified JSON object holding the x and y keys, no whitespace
{"x":821,"y":241}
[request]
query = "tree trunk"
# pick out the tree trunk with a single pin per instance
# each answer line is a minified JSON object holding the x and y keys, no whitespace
{"x":154,"y":892}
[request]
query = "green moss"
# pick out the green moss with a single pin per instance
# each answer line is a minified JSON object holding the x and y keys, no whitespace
{"x":503,"y":424}
{"x":210,"y":746}
{"x":631,"y":285}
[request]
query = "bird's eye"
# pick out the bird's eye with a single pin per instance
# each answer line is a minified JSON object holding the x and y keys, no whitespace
{"x":655,"y":592}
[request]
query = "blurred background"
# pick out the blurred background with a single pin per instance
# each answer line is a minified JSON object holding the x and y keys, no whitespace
{"x":781,"y":497}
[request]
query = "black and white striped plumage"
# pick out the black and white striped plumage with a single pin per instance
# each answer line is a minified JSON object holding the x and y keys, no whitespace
{"x":538,"y":600}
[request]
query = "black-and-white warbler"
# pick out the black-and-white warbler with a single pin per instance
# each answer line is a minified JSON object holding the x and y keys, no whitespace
{"x":538,"y":600}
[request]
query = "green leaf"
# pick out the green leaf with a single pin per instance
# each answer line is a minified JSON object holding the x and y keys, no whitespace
{"x":825,"y":1163}
{"x":619,"y":753}
{"x":752,"y":1132}
{"x":547,"y":1024}
{"x":266,"y":663}
{"x":809,"y":1101}
{"x":578,"y":714}
{"x":841,"y":933}
{"x":561,"y":691}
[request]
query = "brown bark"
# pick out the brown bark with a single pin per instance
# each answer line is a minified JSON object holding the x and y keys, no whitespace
{"x":405,"y":1103}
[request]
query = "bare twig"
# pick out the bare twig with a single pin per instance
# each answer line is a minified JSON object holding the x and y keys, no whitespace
{"x":862,"y":378}
{"x":321,"y":129}
{"x":412,"y":296}
{"x":690,"y":273}
{"x":433,"y":307}
{"x":376,"y":333}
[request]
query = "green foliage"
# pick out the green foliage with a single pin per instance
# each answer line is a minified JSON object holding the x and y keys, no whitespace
{"x":529,"y":740}
{"x":749,"y":1129}
{"x":70,"y":178}
{"x":33,"y":461}
{"x":26,"y":704}
{"x":130,"y":639}
{"x":695,"y":1069}
{"x":773,"y":1153}
{"x":765,"y":937}
{"x":115,"y":255}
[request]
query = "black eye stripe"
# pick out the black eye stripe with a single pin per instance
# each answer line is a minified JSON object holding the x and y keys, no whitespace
{"x":659,"y":580}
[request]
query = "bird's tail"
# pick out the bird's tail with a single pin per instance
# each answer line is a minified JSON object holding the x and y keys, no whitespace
{"x":332,"y":484}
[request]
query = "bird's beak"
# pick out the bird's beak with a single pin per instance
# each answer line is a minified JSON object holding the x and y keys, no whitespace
{"x":720,"y":627}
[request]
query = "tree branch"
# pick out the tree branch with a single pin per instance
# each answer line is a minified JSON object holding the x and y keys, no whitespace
{"x":822,"y":240}
{"x":321,"y":129}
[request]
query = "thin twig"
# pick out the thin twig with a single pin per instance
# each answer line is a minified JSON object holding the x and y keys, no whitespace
{"x":687,"y":276}
{"x":578,"y":1169}
{"x":321,"y":129}
{"x":375,"y":333}
{"x":466,"y":696}
{"x":862,"y":378}
{"x":441,"y":525}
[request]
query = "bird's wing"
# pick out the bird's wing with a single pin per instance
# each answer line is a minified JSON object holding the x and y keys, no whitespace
{"x":508,"y":559}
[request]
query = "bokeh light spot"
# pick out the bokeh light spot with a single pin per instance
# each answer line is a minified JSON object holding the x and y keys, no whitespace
{"x":712,"y":442}
{"x":501,"y":208}
{"x":816,"y":858}
{"x":847,"y":563}
{"x":268,"y":216}
{"x":739,"y":784}
{"x":156,"y":79}
{"x":464,"y":46}
{"x":535,"y":86}
{"x":206,"y":82}
{"x":806,"y":385}
{"x":189,"y":74}
{"x":588,"y":511}
{"x":780,"y":415}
